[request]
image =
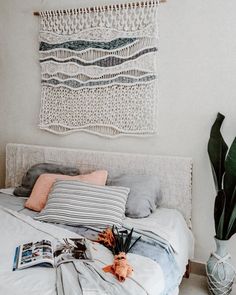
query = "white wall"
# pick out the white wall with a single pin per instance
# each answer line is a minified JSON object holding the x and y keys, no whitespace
{"x":197,"y":72}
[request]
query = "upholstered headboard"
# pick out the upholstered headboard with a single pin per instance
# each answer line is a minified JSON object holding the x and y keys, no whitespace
{"x":175,"y":173}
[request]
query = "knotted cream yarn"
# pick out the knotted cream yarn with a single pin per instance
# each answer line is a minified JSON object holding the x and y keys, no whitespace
{"x":98,"y":70}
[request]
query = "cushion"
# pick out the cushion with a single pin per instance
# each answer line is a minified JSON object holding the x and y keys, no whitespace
{"x":79,"y":203}
{"x":35,"y":171}
{"x":41,"y":190}
{"x":145,"y":193}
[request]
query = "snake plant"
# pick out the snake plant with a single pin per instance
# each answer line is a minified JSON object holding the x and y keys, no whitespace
{"x":223,"y":164}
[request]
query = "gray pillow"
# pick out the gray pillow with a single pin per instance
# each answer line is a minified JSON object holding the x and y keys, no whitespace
{"x":145,"y":193}
{"x":35,"y":171}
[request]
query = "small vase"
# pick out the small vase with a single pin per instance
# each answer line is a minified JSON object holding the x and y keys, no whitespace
{"x":220,"y":272}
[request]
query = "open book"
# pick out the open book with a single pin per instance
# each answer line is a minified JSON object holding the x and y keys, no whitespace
{"x":47,"y":253}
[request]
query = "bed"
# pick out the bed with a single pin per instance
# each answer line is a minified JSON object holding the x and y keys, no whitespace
{"x":169,"y":227}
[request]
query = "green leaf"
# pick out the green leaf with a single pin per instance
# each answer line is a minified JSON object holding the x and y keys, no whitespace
{"x":230,"y":182}
{"x":232,"y":221}
{"x":217,"y":150}
{"x":218,"y":209}
{"x":233,"y":229}
{"x":230,"y":162}
{"x":220,"y":225}
{"x":230,"y":172}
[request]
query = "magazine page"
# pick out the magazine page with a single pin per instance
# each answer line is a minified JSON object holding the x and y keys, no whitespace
{"x":38,"y":253}
{"x":71,"y":249}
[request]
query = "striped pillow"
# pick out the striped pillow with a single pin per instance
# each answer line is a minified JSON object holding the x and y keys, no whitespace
{"x":73,"y":202}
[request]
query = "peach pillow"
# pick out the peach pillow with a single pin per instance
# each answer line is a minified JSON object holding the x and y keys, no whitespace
{"x":39,"y":195}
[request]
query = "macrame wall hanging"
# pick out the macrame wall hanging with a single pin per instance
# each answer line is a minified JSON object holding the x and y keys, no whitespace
{"x":98,"y":70}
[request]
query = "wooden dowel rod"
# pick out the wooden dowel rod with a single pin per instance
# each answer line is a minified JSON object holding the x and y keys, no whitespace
{"x":112,"y":6}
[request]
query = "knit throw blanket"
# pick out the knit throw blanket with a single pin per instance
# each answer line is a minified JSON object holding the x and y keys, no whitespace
{"x":98,"y":70}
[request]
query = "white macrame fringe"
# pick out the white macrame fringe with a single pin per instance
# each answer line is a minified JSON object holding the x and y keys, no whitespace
{"x":101,"y":8}
{"x":97,"y":130}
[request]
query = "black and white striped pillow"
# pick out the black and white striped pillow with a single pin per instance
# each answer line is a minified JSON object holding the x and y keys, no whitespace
{"x":73,"y":202}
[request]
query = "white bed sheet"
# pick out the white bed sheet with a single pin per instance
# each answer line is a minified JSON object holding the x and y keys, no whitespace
{"x":18,"y":229}
{"x":163,"y":221}
{"x":170,"y":224}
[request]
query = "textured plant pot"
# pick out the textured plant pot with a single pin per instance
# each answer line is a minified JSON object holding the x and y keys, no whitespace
{"x":220,"y":272}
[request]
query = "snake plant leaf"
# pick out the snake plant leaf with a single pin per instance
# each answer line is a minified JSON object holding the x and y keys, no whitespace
{"x":232,"y":221}
{"x":230,"y":161}
{"x":219,"y":214}
{"x":230,"y":175}
{"x":217,"y":150}
{"x":218,"y":208}
{"x":233,"y":229}
{"x":230,"y":182}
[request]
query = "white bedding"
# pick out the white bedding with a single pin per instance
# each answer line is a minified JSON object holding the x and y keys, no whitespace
{"x":175,"y":177}
{"x":171,"y":226}
{"x":17,"y":229}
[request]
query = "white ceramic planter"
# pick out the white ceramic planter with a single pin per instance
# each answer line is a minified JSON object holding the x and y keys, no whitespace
{"x":220,"y":272}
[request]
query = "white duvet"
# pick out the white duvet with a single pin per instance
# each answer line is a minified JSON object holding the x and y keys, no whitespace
{"x":171,"y":226}
{"x":18,"y":229}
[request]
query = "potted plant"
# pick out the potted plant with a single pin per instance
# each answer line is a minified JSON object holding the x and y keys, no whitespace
{"x":220,"y":272}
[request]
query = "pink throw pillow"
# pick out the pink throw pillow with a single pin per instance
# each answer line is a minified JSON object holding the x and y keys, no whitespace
{"x":39,"y":195}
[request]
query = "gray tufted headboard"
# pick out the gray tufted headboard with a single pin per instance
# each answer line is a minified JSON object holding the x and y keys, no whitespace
{"x":175,"y":173}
